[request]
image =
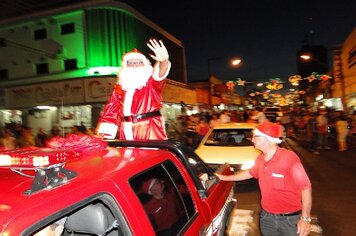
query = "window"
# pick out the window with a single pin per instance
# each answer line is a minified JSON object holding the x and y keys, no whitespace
{"x":40,"y":34}
{"x":70,"y":64}
{"x":230,"y":137}
{"x":67,"y":28}
{"x":42,"y":68}
{"x":168,"y":215}
{"x":99,"y":216}
{"x":4,"y":74}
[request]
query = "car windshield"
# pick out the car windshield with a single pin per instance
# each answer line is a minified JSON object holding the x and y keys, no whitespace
{"x":230,"y":137}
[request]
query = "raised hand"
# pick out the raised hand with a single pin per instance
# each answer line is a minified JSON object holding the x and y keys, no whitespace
{"x":160,"y":51}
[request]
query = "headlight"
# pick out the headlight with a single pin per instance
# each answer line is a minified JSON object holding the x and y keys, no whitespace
{"x":247,"y":165}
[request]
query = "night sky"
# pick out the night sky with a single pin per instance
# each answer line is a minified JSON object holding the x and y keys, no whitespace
{"x":265,"y":33}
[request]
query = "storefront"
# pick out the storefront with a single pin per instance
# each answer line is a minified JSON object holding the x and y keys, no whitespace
{"x":72,"y":102}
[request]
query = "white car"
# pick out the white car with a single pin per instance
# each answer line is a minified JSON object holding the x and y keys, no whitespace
{"x":229,"y":143}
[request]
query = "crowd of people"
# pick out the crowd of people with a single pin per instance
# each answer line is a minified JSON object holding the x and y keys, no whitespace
{"x":15,"y":135}
{"x":323,"y":129}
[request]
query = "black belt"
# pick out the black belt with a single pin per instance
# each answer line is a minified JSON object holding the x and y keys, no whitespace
{"x":137,"y":118}
{"x":285,"y":214}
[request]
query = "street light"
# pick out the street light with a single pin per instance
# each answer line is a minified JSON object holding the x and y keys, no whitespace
{"x":321,"y":66}
{"x":310,"y":62}
{"x":305,"y":57}
{"x":234,"y":62}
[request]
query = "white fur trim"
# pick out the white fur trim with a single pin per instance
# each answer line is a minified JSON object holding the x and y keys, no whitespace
{"x":133,"y":55}
{"x":274,"y":140}
{"x":109,"y":130}
{"x":128,"y":130}
{"x":155,"y":74}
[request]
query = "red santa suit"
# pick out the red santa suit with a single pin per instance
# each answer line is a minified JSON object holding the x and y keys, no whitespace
{"x":133,"y":113}
{"x":145,"y":119}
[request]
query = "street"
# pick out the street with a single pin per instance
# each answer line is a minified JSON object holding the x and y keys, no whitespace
{"x":334,"y":193}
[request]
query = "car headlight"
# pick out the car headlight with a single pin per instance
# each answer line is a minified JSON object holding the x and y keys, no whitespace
{"x":247,"y":165}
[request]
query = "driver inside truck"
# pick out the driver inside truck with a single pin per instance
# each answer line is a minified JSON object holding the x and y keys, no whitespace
{"x":164,"y":207}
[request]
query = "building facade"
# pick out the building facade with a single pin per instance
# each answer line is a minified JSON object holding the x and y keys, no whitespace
{"x":344,"y":87}
{"x":58,"y":67}
{"x":338,"y":93}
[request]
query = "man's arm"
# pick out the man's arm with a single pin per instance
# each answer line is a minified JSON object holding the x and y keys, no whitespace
{"x":303,"y":225}
{"x":164,"y":67}
{"x":238,"y":176}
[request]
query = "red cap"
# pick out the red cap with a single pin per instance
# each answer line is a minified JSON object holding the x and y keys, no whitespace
{"x":269,"y":130}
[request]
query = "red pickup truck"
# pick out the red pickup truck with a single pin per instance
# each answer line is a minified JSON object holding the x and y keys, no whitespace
{"x":106,"y":192}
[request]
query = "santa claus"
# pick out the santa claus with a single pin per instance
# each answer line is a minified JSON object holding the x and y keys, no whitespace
{"x":133,"y":110}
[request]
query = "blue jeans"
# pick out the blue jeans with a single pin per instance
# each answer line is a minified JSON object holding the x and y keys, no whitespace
{"x":275,"y":225}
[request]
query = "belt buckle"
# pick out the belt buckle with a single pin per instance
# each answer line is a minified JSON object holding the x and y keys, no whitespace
{"x":138,"y":117}
{"x":133,"y":119}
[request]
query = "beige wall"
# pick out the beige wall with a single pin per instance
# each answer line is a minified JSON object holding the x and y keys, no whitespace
{"x":348,"y":80}
{"x":175,"y":94}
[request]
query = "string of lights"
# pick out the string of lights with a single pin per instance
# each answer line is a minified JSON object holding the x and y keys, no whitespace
{"x":277,"y":83}
{"x":270,"y":90}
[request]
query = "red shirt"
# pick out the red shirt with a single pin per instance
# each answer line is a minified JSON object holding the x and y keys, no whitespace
{"x":164,"y":212}
{"x":281,"y":180}
{"x":203,"y":129}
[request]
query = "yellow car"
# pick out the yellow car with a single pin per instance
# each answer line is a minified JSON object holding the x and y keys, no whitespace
{"x":229,"y":143}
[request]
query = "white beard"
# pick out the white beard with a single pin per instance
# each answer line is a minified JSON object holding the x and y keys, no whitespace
{"x":134,"y":78}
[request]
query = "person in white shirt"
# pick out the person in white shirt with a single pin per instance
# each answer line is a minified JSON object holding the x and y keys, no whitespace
{"x":260,"y":116}
{"x":342,"y":130}
{"x":224,"y":117}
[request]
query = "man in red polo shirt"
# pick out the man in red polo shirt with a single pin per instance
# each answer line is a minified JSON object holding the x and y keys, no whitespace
{"x":285,"y":187}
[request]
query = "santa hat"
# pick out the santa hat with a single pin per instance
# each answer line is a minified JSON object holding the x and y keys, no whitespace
{"x":269,"y":130}
{"x":134,"y":55}
{"x":147,"y":185}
